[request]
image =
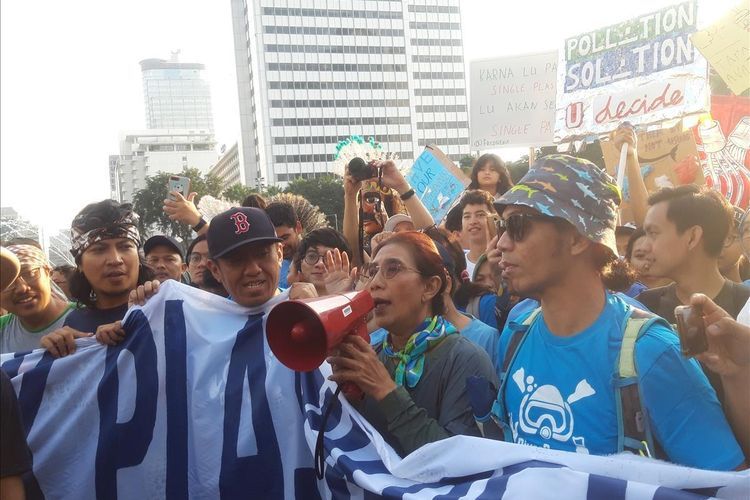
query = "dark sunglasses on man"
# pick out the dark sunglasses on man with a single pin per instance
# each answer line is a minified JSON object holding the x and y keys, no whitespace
{"x":518,"y":225}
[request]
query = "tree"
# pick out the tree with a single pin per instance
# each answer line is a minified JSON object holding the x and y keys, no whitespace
{"x":237,"y":193}
{"x":327,"y":192}
{"x":148,"y":202}
{"x":467,"y":163}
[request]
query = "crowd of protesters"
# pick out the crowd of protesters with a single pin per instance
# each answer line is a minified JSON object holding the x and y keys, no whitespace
{"x":562,"y":318}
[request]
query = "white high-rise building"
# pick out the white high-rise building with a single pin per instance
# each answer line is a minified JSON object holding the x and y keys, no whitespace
{"x":175,"y":95}
{"x":144,"y":153}
{"x":311,"y":73}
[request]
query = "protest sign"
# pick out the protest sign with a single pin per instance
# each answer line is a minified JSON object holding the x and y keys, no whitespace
{"x":644,"y":70}
{"x":513,"y":101}
{"x":436,"y":181}
{"x":724,"y":147}
{"x":668,"y":157}
{"x":193,"y":404}
{"x":726,"y":46}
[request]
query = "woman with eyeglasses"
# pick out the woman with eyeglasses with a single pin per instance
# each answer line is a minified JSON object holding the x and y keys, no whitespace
{"x":105,"y":241}
{"x":309,"y":261}
{"x":415,"y":380}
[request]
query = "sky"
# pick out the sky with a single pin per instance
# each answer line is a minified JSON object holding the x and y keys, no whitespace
{"x":70,"y":81}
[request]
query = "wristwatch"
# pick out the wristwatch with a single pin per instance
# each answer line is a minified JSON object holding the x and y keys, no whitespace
{"x":200,"y":225}
{"x":407,"y":194}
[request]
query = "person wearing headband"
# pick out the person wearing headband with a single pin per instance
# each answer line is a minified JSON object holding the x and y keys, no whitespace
{"x":35,"y":305}
{"x":104,"y":243}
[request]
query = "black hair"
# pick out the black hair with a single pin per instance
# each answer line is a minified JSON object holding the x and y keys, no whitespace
{"x":198,"y":239}
{"x":504,"y":182}
{"x":255,"y":200}
{"x":282,"y":214}
{"x":635,"y":236}
{"x":80,"y":288}
{"x":66,"y":269}
{"x":324,"y":236}
{"x":461,"y":291}
{"x":454,"y":219}
{"x":616,"y":273}
{"x":476,"y":197}
{"x":690,"y":205}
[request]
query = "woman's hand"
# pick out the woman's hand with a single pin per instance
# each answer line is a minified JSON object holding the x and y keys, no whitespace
{"x":301,"y":290}
{"x":110,"y":334}
{"x":392,"y":178}
{"x":61,"y":342}
{"x":351,"y":185}
{"x":182,"y":209}
{"x":357,"y":362}
{"x":140,"y":295}
{"x":339,"y":276}
{"x":625,"y":134}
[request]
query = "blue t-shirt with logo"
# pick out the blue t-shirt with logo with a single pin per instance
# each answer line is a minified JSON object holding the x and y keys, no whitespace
{"x":560,"y":393}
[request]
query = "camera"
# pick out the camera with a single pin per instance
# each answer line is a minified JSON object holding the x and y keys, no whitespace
{"x":361,"y":170}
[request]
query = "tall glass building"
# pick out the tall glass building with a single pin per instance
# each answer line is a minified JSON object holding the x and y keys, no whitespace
{"x":176,"y":96}
{"x":313,"y":72}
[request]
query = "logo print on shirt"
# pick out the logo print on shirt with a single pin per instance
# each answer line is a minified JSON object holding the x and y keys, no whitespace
{"x":543,"y":410}
{"x":240,"y":223}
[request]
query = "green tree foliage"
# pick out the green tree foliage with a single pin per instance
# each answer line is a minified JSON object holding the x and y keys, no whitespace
{"x":467,"y":163}
{"x":237,"y":193}
{"x":148,"y":203}
{"x":327,"y":192}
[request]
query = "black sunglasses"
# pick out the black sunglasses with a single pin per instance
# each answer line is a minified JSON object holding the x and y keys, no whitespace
{"x":518,"y":225}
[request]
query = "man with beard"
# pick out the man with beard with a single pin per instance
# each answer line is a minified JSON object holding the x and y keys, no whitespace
{"x":289,"y":230}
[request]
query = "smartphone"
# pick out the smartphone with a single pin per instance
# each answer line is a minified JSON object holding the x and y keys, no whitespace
{"x":691,"y":329}
{"x":179,"y":184}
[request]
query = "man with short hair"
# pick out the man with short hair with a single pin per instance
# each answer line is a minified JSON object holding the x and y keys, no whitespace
{"x":568,"y":364}
{"x":688,"y":227}
{"x":164,"y":257}
{"x":197,"y":255}
{"x":289,"y":230}
{"x":476,"y":208}
{"x":35,"y":309}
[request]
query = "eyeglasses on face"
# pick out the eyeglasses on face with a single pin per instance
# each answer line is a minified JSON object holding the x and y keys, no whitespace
{"x":518,"y":225}
{"x":312,"y":258}
{"x":196,"y":257}
{"x":28,"y":276}
{"x":390,"y":269}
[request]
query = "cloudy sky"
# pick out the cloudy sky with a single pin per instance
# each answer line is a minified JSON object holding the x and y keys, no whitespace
{"x":70,"y":79}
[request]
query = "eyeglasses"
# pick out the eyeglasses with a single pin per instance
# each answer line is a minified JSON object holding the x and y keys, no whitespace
{"x":390,"y":269}
{"x":29,"y":277}
{"x":312,"y":258}
{"x":196,"y":257}
{"x":518,"y":225}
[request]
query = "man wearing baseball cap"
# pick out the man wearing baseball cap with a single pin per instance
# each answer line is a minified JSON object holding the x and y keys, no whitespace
{"x":164,"y":257}
{"x":563,"y":378}
{"x":245,"y":256}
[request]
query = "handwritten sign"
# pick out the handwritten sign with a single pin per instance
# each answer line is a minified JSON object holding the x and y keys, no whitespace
{"x":513,"y":101}
{"x":726,"y":45}
{"x":668,"y":157}
{"x":436,"y":181}
{"x":644,"y":70}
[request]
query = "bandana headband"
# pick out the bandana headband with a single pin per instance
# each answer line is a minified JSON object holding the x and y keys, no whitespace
{"x":80,"y":242}
{"x":29,"y":255}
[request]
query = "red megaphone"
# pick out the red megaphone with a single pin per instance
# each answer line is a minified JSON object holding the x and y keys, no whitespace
{"x":301,"y":333}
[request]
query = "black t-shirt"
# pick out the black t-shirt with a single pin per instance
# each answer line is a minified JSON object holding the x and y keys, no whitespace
{"x":15,"y":458}
{"x":662,"y":300}
{"x":88,"y":319}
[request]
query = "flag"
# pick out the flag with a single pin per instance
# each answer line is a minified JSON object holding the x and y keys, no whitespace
{"x":194,"y":404}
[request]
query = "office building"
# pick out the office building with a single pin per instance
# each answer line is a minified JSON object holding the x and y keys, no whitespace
{"x":227,"y":169}
{"x":311,"y":73}
{"x":175,"y":95}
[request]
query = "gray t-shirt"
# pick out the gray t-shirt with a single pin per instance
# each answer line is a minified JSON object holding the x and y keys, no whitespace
{"x":14,"y":337}
{"x":438,"y":406}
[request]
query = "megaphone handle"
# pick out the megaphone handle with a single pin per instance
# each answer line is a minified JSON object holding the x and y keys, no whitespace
{"x":350,"y":389}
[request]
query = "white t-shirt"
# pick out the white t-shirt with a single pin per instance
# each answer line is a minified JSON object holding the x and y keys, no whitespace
{"x":743,"y":317}
{"x":15,"y":338}
{"x":469,"y":264}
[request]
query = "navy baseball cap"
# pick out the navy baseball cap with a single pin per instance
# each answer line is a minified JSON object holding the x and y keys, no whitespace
{"x":162,"y":240}
{"x":239,"y":226}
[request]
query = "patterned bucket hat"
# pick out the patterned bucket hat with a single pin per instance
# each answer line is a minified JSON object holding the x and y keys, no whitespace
{"x":573,"y":189}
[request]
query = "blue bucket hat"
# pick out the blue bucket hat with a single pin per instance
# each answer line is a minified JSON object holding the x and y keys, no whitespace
{"x":573,"y":189}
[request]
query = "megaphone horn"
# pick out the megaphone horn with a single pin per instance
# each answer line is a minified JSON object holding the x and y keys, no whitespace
{"x":301,"y":333}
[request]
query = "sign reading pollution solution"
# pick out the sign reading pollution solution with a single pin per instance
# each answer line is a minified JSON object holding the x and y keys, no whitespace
{"x":644,"y":70}
{"x":513,"y":101}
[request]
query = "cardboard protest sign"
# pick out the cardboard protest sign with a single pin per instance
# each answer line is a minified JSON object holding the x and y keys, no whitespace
{"x":644,"y":70}
{"x":668,"y":157}
{"x":724,"y":147}
{"x":436,"y":181}
{"x":726,"y":45}
{"x":513,"y":101}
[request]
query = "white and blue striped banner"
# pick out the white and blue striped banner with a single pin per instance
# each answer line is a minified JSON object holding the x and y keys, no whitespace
{"x":194,"y":405}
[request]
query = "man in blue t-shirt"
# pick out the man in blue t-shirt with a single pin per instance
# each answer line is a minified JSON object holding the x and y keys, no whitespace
{"x":559,"y":248}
